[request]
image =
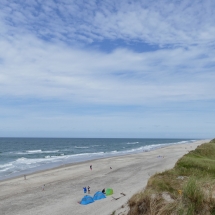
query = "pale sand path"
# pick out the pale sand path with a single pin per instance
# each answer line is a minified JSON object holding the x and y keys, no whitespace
{"x":63,"y":186}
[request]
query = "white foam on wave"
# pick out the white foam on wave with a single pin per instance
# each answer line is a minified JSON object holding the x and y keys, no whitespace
{"x":27,"y":164}
{"x":113,"y":151}
{"x":144,"y":148}
{"x":5,"y":169}
{"x":6,"y":165}
{"x":21,"y":159}
{"x":181,"y":142}
{"x":81,"y":147}
{"x":54,"y":156}
{"x":35,"y":152}
{"x":132,"y":143}
{"x":84,"y":154}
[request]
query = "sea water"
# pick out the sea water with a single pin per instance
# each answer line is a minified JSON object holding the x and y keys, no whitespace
{"x":19,"y":156}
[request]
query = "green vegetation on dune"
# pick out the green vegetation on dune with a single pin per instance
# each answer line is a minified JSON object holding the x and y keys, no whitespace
{"x":187,"y":189}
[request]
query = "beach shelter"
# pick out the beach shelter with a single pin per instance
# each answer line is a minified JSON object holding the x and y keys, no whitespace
{"x":109,"y":191}
{"x":99,"y":195}
{"x":87,"y":200}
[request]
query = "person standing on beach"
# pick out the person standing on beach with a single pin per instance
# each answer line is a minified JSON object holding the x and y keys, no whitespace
{"x":88,"y":188}
{"x":25,"y":177}
{"x":85,"y":189}
{"x":43,"y":188}
{"x":91,"y":167}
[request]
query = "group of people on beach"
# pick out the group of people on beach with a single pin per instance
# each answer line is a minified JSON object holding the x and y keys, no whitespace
{"x":86,"y":189}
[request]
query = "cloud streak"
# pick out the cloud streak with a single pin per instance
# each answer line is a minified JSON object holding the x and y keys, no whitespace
{"x":92,"y":76}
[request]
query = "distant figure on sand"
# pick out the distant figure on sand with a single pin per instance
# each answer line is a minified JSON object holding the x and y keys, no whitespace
{"x":25,"y":177}
{"x":85,"y":189}
{"x":91,"y":167}
{"x":88,"y":188}
{"x":43,"y":188}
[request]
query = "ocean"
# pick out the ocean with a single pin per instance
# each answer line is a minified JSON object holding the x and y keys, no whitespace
{"x":19,"y":156}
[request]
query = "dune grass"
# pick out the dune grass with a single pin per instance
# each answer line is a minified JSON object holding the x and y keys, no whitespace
{"x":187,"y":189}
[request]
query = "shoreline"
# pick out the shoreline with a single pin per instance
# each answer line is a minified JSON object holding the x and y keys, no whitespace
{"x":57,"y":165}
{"x":64,"y":184}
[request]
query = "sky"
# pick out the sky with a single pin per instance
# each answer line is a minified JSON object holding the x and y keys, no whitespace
{"x":107,"y":68}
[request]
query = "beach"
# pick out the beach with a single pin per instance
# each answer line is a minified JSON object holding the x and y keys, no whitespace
{"x":64,"y":185}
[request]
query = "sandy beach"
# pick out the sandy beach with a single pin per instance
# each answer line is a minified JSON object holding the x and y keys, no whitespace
{"x":64,"y":185}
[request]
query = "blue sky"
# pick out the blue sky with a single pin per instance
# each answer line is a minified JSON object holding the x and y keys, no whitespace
{"x":130,"y":68}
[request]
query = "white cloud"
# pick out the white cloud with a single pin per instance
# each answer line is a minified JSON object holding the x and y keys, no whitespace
{"x":34,"y":68}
